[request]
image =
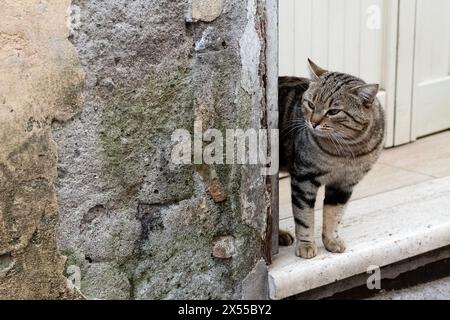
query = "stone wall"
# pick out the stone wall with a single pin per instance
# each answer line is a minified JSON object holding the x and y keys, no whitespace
{"x":41,"y":81}
{"x":113,"y":206}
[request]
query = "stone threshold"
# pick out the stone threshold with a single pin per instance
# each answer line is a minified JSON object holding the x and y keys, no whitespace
{"x":380,"y":230}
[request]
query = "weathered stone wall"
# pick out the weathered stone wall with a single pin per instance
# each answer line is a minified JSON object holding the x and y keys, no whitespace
{"x":40,"y":82}
{"x":136,"y":225}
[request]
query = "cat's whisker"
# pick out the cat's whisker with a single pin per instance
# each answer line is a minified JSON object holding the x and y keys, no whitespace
{"x":334,"y":140}
{"x":335,"y":146}
{"x":341,"y":147}
{"x":342,"y":143}
{"x":291,"y":126}
{"x":293,"y":130}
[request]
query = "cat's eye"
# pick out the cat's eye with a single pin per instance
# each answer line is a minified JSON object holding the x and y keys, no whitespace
{"x":309,"y":105}
{"x":333,"y":112}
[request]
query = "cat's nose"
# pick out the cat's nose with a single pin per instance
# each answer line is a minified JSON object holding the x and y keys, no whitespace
{"x":315,"y":120}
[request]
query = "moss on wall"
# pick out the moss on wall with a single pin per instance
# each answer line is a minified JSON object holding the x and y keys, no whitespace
{"x":134,"y":123}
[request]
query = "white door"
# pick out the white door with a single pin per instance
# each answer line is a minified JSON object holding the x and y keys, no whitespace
{"x":336,"y":34}
{"x":431,"y":92}
{"x":423,"y":70}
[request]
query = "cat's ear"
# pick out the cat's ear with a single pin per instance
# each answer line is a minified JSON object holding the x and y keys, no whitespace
{"x":368,"y":92}
{"x":315,"y":71}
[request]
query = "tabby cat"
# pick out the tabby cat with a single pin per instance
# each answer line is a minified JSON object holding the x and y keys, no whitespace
{"x":331,"y":134}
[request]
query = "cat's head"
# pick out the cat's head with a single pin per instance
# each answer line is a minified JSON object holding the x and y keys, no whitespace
{"x":338,"y":103}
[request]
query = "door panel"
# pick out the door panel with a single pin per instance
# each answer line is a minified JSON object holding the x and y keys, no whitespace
{"x":352,"y":36}
{"x":320,"y":33}
{"x":302,"y":34}
{"x":431,"y":109}
{"x":372,"y":41}
{"x":432,"y":106}
{"x":286,"y":37}
{"x":336,"y":34}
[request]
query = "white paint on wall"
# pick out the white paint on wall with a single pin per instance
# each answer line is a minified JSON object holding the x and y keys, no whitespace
{"x":250,"y":48}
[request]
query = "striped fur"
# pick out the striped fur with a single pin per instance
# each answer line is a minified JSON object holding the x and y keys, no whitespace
{"x":331,"y":134}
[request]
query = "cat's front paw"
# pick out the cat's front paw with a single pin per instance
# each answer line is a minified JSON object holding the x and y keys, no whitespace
{"x":306,"y":250}
{"x":336,"y":245}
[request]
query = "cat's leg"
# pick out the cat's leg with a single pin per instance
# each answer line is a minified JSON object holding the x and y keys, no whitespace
{"x":304,"y":194}
{"x":335,"y":203}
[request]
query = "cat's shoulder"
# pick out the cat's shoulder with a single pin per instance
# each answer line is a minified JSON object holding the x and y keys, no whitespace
{"x":287,"y":85}
{"x":292,"y":82}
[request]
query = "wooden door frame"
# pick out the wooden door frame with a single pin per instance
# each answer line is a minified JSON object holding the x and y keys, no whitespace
{"x":390,"y":62}
{"x":404,"y":97}
{"x":398,"y":73}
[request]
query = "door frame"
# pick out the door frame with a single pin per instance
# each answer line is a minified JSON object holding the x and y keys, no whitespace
{"x":390,"y":61}
{"x":405,"y":61}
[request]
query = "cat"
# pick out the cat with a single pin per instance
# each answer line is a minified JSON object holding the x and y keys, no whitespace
{"x":331,"y":134}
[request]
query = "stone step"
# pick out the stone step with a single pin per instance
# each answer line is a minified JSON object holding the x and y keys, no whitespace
{"x":379,"y":230}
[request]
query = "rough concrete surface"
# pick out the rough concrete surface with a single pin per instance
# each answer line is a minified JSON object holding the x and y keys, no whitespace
{"x":41,"y":81}
{"x":204,"y":10}
{"x":434,"y":290}
{"x":136,"y":225}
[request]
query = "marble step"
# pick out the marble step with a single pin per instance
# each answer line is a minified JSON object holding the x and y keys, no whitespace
{"x":379,"y":230}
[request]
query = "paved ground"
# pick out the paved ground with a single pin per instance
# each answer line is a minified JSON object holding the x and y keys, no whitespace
{"x":435,"y":290}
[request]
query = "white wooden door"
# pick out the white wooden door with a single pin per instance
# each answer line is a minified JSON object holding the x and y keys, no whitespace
{"x":353,"y":36}
{"x":431,"y":92}
{"x":336,"y":34}
{"x":423,"y":70}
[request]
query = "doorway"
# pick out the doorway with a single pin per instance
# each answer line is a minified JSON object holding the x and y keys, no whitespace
{"x":404,"y":45}
{"x":382,"y":41}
